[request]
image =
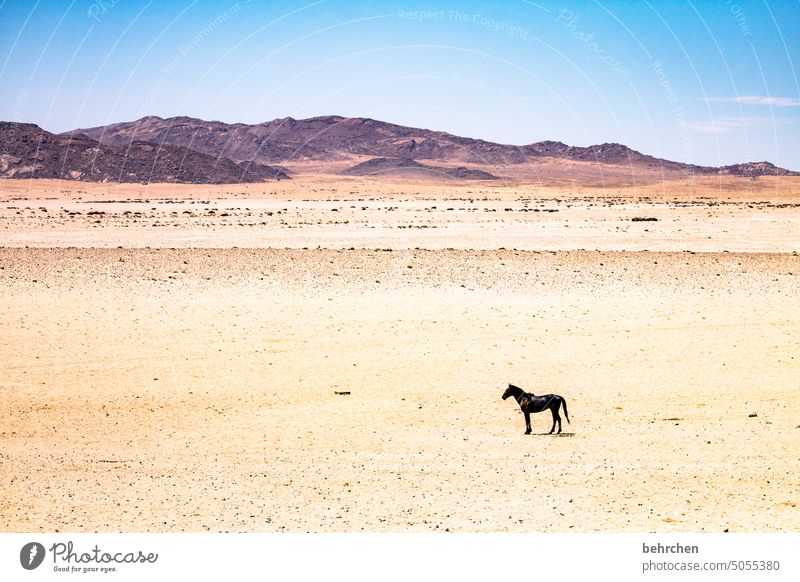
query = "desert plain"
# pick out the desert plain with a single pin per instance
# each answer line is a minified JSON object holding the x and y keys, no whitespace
{"x":328,"y":355}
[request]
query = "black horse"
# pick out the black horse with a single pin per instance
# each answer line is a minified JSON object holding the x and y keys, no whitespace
{"x":529,"y":402}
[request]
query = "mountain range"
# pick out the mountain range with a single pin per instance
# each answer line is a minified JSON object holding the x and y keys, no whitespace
{"x":28,"y":151}
{"x":185,"y":149}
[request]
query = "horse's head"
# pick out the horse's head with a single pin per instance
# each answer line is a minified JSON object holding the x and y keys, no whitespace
{"x":512,"y":390}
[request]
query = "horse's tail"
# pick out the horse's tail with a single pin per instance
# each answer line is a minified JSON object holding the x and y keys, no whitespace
{"x":564,"y":402}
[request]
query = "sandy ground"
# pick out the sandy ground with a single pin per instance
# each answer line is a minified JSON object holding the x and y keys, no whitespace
{"x":157,"y":389}
{"x":745,"y":217}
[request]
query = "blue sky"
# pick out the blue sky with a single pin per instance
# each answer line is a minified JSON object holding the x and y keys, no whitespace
{"x":707,"y":82}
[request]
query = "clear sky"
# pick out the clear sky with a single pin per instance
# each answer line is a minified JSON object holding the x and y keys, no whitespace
{"x":707,"y":82}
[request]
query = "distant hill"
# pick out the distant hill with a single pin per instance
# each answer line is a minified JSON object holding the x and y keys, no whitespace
{"x":341,"y":139}
{"x":334,"y":138}
{"x":184,"y":149}
{"x":28,"y":151}
{"x":755,"y":169}
{"x":406,"y":167}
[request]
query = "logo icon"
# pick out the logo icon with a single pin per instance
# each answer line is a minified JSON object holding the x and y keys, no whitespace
{"x":31,"y":555}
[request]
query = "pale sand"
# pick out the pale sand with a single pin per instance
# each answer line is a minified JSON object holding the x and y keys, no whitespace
{"x":157,"y":389}
{"x":193,"y":390}
{"x":706,"y":215}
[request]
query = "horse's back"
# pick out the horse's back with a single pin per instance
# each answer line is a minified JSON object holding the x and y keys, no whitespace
{"x":549,"y":397}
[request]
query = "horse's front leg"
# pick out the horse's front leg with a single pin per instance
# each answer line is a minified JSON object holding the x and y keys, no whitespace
{"x":527,"y":422}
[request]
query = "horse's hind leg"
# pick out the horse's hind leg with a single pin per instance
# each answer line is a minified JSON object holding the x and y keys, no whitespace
{"x":556,"y":418}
